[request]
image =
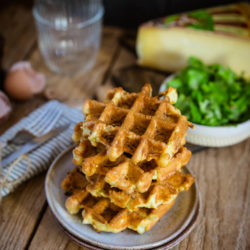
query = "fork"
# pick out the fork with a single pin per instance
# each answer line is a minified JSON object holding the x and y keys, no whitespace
{"x":42,"y":124}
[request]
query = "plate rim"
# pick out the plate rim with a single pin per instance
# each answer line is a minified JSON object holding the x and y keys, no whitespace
{"x":183,"y":234}
{"x":197,"y":203}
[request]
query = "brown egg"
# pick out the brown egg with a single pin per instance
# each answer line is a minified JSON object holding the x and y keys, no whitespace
{"x":22,"y":82}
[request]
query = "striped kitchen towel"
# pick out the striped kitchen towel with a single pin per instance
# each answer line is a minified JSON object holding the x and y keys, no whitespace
{"x":40,"y":158}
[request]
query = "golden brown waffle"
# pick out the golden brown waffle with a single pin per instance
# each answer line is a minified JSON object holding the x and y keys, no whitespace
{"x":129,"y":155}
{"x":130,"y":177}
{"x":158,"y":193}
{"x":137,"y":124}
{"x":76,"y":183}
{"x":105,"y":216}
{"x":123,"y":173}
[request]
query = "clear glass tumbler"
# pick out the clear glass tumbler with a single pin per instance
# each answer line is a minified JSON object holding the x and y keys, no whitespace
{"x":69,"y":33}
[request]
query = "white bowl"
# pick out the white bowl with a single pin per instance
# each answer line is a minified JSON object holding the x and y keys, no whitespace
{"x":217,"y":136}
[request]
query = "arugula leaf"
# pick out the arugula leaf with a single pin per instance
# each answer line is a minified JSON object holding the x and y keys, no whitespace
{"x":195,"y":62}
{"x":212,"y":95}
{"x":175,"y":83}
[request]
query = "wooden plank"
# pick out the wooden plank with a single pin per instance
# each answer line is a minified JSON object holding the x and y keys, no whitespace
{"x":223,"y":178}
{"x":18,"y":29}
{"x":50,"y":236}
{"x":20,"y":212}
{"x":222,"y":174}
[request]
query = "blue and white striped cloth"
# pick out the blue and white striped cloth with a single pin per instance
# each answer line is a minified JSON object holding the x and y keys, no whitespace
{"x":41,"y":157}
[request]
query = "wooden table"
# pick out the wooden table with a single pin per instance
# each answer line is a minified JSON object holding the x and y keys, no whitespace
{"x":222,"y":174}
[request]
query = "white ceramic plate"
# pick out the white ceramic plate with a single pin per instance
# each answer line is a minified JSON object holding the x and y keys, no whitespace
{"x":218,"y":136}
{"x":173,"y":224}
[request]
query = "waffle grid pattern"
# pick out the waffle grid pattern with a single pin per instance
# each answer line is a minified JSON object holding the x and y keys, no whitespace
{"x":129,"y":155}
{"x":144,"y":127}
{"x":102,"y":214}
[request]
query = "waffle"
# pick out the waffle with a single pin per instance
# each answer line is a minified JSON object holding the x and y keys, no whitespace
{"x":75,"y":182}
{"x":129,"y":156}
{"x":158,"y":194}
{"x":144,"y":127}
{"x":130,"y":177}
{"x":123,"y":173}
{"x":104,"y":215}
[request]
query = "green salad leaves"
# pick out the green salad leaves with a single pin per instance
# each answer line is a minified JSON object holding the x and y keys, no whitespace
{"x":212,"y":95}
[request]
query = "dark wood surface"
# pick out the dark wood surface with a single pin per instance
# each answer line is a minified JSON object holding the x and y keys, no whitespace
{"x":222,"y":174}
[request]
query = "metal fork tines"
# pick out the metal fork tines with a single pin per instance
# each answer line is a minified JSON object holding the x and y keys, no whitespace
{"x":44,"y":122}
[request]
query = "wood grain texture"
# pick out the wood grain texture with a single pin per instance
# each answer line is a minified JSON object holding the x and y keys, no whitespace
{"x":223,"y":178}
{"x":51,"y":239}
{"x":222,"y":174}
{"x":20,"y":212}
{"x":18,"y":29}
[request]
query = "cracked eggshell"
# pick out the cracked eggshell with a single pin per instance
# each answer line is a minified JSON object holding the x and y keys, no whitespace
{"x":22,"y":82}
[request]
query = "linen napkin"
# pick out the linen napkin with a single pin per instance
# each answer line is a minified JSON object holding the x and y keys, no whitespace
{"x":41,"y":157}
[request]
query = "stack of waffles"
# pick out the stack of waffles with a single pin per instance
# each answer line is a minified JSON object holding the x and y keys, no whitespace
{"x":129,"y":156}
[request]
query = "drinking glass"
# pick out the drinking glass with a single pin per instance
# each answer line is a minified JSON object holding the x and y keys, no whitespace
{"x":69,"y":33}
